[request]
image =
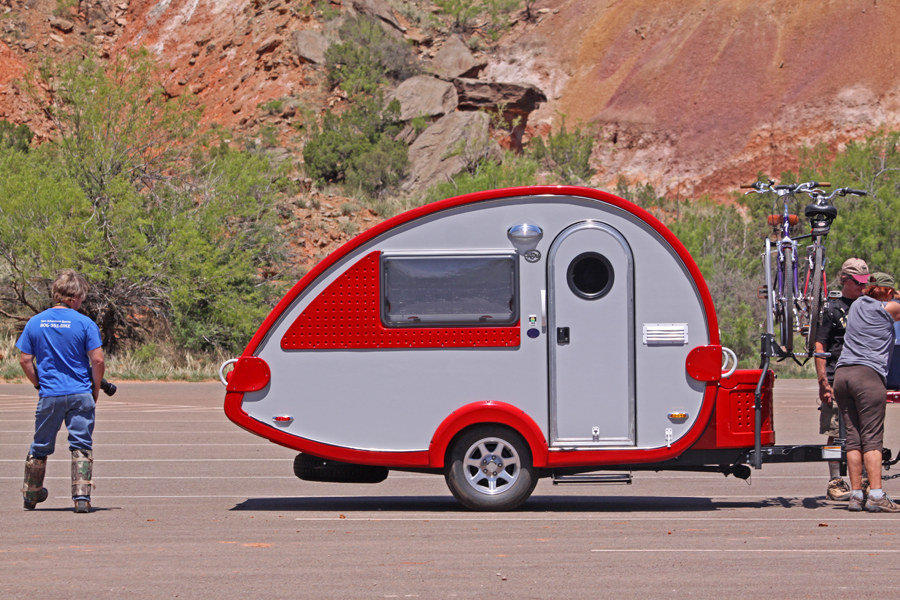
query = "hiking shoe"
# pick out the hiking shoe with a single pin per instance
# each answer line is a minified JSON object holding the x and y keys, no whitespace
{"x":883,"y":504}
{"x":82,"y":506}
{"x":856,"y":504}
{"x":838,"y":490}
{"x":41,"y":496}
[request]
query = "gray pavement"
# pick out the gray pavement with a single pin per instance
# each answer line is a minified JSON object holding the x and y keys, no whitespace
{"x":187,"y":505}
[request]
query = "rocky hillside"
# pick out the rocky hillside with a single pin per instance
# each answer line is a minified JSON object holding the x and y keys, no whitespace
{"x":693,"y":96}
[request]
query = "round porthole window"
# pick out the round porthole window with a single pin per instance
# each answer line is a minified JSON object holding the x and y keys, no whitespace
{"x":590,"y":275}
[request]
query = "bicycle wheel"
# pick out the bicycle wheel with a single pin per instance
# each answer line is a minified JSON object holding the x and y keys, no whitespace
{"x":816,"y":297}
{"x":787,"y":301}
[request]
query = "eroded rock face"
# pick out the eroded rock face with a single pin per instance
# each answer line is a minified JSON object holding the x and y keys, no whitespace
{"x":455,"y":60}
{"x":447,"y":147}
{"x":425,"y":96}
{"x":309,"y":46}
{"x":475,"y":94}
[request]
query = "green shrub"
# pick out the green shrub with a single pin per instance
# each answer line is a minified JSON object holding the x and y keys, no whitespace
{"x":357,"y":147}
{"x":367,"y":57}
{"x":498,"y":13}
{"x":273,"y":107}
{"x":379,"y":168}
{"x":169,"y":245}
{"x":16,"y":137}
{"x":459,"y":12}
{"x":513,"y":171}
{"x":566,"y":154}
{"x":459,"y":15}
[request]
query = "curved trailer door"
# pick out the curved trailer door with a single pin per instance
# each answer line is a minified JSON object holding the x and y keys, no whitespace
{"x":591,"y":336}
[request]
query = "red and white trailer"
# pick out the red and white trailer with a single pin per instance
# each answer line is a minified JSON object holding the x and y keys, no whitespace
{"x":501,"y":337}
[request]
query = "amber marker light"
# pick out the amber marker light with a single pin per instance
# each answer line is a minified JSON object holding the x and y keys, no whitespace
{"x":678,"y":415}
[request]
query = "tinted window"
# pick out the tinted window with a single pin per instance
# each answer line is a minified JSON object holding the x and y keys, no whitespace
{"x":451,"y":290}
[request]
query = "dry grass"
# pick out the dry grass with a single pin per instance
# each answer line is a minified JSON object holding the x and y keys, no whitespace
{"x":150,"y":362}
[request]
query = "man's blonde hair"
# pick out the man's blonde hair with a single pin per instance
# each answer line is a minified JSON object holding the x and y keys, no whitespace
{"x":68,"y":286}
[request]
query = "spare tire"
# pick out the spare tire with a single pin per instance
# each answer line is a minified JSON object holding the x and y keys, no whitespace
{"x":312,"y":468}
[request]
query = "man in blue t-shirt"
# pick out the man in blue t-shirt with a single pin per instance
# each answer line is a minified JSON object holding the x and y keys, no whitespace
{"x":62,"y":358}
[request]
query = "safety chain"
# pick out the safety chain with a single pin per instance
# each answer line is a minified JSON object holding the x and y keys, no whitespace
{"x":889,"y":477}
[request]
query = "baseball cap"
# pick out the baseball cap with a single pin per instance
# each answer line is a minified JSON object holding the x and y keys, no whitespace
{"x":857,"y":269}
{"x":881,"y":279}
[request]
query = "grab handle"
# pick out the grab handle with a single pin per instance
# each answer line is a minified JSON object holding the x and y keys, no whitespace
{"x":728,"y":355}
{"x":222,"y":370}
{"x":544,"y":310}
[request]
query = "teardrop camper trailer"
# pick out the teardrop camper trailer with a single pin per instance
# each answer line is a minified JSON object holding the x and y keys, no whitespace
{"x":501,"y":337}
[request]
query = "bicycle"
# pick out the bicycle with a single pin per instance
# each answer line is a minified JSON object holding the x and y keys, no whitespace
{"x":786,"y":304}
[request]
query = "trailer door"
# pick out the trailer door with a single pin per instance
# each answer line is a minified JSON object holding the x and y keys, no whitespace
{"x":591,"y":336}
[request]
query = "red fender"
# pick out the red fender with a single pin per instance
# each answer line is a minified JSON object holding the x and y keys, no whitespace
{"x":488,"y":412}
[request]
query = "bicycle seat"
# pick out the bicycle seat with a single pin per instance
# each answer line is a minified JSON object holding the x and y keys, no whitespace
{"x":828,"y":211}
{"x":775,"y":220}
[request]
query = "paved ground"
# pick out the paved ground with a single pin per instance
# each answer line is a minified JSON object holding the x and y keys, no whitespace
{"x":190,"y":506}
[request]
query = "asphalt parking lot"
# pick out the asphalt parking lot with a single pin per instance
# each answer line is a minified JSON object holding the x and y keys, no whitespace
{"x":187,"y":505}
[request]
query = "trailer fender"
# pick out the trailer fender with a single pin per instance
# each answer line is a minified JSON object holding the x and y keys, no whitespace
{"x":488,"y":412}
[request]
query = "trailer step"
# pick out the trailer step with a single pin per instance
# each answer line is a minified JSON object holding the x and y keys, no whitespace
{"x":587,"y":478}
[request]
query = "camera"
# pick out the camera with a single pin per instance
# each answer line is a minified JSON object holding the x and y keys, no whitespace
{"x":108,"y":388}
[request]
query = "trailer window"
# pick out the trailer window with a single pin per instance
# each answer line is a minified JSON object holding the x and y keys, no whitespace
{"x":449,"y":290}
{"x":590,"y":275}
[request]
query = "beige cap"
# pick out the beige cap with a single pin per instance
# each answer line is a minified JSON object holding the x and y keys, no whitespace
{"x":857,"y":269}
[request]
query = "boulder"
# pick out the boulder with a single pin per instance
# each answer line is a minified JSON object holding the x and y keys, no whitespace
{"x":425,"y":96}
{"x":268,"y":45}
{"x":517,"y":98}
{"x":378,"y":9}
{"x":62,"y":25}
{"x":455,"y":60}
{"x":309,"y":46}
{"x":451,"y":144}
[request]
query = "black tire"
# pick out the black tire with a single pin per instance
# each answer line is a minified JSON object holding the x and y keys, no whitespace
{"x":313,"y":468}
{"x":816,"y":298}
{"x":490,"y":468}
{"x":787,"y":303}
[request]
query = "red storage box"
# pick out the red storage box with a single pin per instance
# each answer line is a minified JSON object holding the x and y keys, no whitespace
{"x":731,"y":425}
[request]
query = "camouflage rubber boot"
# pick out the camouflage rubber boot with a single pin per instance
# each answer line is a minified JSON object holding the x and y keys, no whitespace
{"x":33,"y":489}
{"x":82,"y":467}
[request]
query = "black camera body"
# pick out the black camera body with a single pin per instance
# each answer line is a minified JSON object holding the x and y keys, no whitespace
{"x":108,"y":388}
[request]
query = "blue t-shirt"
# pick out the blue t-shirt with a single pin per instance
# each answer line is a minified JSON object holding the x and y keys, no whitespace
{"x":59,"y":339}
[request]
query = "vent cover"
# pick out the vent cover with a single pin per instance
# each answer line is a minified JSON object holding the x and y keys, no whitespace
{"x":665,"y":334}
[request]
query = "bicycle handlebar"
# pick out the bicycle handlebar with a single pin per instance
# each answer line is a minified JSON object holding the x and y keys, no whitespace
{"x":762,"y":186}
{"x":821,"y":196}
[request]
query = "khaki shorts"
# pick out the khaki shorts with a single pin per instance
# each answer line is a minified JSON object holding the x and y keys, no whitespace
{"x":860,"y":394}
{"x":828,"y":419}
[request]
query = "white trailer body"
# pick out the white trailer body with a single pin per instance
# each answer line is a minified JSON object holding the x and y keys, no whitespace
{"x":566,"y":315}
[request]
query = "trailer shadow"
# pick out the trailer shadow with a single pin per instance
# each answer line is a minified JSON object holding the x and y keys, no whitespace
{"x":536,"y":504}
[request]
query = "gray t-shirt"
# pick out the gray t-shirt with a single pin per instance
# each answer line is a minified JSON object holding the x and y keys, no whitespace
{"x":869,"y":339}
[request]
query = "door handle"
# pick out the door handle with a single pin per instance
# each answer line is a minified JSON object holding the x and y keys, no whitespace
{"x":562,"y":335}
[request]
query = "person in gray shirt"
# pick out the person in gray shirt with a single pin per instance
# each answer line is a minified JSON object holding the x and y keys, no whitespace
{"x":859,"y":389}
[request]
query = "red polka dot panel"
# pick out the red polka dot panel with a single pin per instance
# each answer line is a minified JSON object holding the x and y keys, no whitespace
{"x":346,"y":315}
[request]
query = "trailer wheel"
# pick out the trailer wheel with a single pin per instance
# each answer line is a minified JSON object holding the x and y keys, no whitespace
{"x":490,"y":468}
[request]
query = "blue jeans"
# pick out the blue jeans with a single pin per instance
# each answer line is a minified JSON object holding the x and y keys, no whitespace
{"x":77,"y":410}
